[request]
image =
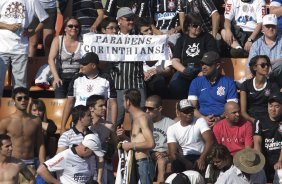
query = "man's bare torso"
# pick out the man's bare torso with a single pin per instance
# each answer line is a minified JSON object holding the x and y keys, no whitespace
{"x":9,"y":172}
{"x":23,"y":130}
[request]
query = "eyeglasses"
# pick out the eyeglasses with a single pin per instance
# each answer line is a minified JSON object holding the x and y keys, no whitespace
{"x":149,"y":109}
{"x":112,"y":28}
{"x":268,"y":26}
{"x":195,"y":25}
{"x":128,"y":19}
{"x":19,"y":98}
{"x":263,"y":65}
{"x":73,"y":26}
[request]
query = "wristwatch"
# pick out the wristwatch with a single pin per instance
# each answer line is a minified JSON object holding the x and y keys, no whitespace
{"x":250,"y":40}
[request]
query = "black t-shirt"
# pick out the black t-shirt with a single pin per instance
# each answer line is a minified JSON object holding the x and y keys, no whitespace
{"x":271,"y":134}
{"x":191,"y":50}
{"x":257,"y":98}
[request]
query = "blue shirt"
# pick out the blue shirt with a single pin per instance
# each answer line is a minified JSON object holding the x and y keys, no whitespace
{"x":259,"y":47}
{"x":212,"y":97}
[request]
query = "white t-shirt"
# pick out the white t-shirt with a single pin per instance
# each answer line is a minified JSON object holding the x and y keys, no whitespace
{"x":18,"y":11}
{"x":75,"y":170}
{"x":246,"y":15}
{"x":194,"y":177}
{"x":189,"y":137}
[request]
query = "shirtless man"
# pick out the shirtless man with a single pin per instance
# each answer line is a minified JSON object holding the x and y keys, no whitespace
{"x":106,"y":132}
{"x":10,"y":167}
{"x":25,"y":130}
{"x":142,"y":140}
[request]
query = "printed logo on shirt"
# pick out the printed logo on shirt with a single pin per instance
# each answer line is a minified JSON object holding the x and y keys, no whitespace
{"x":193,"y":50}
{"x":227,"y":8}
{"x":280,"y":128}
{"x":171,"y":5}
{"x":270,"y":144}
{"x":15,"y":10}
{"x":89,"y":88}
{"x":267,"y":92}
{"x":220,"y":91}
{"x":80,"y":177}
{"x":55,"y":163}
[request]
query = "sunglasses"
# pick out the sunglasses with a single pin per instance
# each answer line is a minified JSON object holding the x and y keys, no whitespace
{"x":263,"y":65}
{"x":268,"y":26}
{"x":149,"y":108}
{"x":19,"y":98}
{"x":187,"y":111}
{"x":202,"y":63}
{"x":73,"y":26}
{"x":195,"y":25}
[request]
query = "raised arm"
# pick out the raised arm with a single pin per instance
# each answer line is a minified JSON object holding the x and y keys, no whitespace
{"x":67,"y":111}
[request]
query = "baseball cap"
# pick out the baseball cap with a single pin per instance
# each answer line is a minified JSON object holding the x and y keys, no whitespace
{"x":210,"y":58}
{"x":92,"y":142}
{"x":270,"y":19}
{"x":89,"y":57}
{"x":185,"y":104}
{"x":275,"y":97}
{"x":125,"y":12}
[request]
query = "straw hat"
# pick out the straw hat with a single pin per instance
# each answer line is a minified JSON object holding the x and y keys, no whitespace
{"x":249,"y":160}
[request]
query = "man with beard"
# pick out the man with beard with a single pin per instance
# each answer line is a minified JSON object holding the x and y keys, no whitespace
{"x":25,"y":130}
{"x":10,"y":167}
{"x":211,"y":91}
{"x":234,"y":133}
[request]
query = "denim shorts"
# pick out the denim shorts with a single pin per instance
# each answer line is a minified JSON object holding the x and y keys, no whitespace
{"x":145,"y":170}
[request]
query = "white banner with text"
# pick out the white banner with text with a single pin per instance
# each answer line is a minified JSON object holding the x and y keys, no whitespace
{"x":126,"y":47}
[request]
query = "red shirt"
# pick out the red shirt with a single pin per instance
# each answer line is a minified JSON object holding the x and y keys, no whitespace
{"x":235,"y":137}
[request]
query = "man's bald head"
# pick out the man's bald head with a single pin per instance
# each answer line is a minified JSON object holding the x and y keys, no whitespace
{"x":232,"y":112}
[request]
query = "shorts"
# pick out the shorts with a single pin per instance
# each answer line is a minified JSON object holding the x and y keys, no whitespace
{"x":50,"y":22}
{"x":242,"y":36}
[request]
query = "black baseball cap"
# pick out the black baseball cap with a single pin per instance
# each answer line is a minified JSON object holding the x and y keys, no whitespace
{"x":210,"y":58}
{"x":89,"y":57}
{"x":275,"y":97}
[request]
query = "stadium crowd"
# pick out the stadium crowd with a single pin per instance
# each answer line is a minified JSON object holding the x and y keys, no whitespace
{"x":224,"y":131}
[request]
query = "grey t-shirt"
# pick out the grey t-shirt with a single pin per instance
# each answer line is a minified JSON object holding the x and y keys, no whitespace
{"x":160,"y":136}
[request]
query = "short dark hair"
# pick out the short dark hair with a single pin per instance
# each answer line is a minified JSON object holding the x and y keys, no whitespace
{"x":105,"y":22}
{"x":254,"y":60}
{"x":191,"y":18}
{"x":19,"y":90}
{"x":143,"y":21}
{"x":4,"y":137}
{"x":156,"y":99}
{"x":134,"y":96}
{"x":78,"y":112}
{"x":92,"y":100}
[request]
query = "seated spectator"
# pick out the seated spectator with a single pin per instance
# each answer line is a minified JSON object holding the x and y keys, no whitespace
{"x":270,"y":44}
{"x":254,"y":92}
{"x":232,"y":131}
{"x":64,"y":55}
{"x":187,"y":53}
{"x":242,"y":25}
{"x":182,"y":176}
{"x":89,"y":82}
{"x":211,"y":91}
{"x":275,"y":8}
{"x":193,"y":137}
{"x":244,"y":168}
{"x":154,"y":75}
{"x":153,"y":107}
{"x":268,"y":137}
{"x":74,"y":163}
{"x":38,"y":108}
{"x":48,"y":31}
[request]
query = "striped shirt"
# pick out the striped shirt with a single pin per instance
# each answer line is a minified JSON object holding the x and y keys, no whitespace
{"x":86,"y":11}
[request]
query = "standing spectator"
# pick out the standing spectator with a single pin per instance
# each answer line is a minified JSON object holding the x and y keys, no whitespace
{"x":193,"y":137}
{"x":127,"y":75}
{"x":89,"y":82}
{"x":141,"y":140}
{"x":25,"y":130}
{"x":38,"y":109}
{"x":11,"y":167}
{"x":270,"y":44}
{"x":139,"y":8}
{"x":15,"y":17}
{"x":88,"y":12}
{"x":276,"y":8}
{"x":242,"y":24}
{"x":74,"y":163}
{"x":211,"y":91}
{"x":254,"y":92}
{"x":153,"y":107}
{"x":267,"y":136}
{"x":187,"y":53}
{"x":206,"y":11}
{"x":48,"y":29}
{"x":64,"y":55}
{"x":233,"y":132}
{"x":106,"y":133}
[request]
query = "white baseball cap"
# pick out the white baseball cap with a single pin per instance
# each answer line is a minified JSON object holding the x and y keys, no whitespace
{"x":270,"y":19}
{"x":92,"y":142}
